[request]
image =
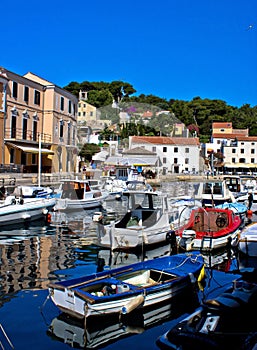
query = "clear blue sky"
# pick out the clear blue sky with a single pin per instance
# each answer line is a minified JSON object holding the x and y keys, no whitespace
{"x":169,"y":48}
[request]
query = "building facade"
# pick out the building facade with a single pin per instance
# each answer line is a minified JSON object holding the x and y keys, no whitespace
{"x":40,"y":124}
{"x":175,"y":154}
{"x":238,"y":148}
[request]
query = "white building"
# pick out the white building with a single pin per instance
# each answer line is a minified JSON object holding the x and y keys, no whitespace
{"x":176,"y":154}
{"x":239,"y":149}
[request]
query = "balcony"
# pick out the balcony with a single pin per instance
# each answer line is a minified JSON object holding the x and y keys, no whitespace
{"x":16,"y":134}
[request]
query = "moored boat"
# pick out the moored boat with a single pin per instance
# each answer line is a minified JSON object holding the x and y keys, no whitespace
{"x":23,"y":210}
{"x":214,"y":192}
{"x":247,"y":242}
{"x":78,"y":194}
{"x":223,"y":322}
{"x":146,"y":222}
{"x":208,"y":229}
{"x":123,"y":289}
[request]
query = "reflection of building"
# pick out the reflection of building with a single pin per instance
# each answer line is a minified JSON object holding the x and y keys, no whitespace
{"x":28,"y":263}
{"x":36,"y":109}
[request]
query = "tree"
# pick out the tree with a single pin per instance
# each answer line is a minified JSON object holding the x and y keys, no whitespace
{"x":88,"y":150}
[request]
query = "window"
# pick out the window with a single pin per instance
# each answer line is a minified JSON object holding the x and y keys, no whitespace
{"x":91,"y":114}
{"x":14,"y":89}
{"x":233,"y":150}
{"x":242,"y":143}
{"x":164,"y":149}
{"x":24,"y":128}
{"x":187,"y":150}
{"x":13,"y":127}
{"x":12,"y":155}
{"x":242,"y":150}
{"x":241,"y":160}
{"x":37,"y":97}
{"x":61,"y":128}
{"x":69,"y":133}
{"x":34,"y":130}
{"x":233,"y":160}
{"x":252,"y":160}
{"x":84,"y":114}
{"x":78,"y":114}
{"x":26,"y":94}
{"x":252,"y":151}
{"x":62,"y":104}
{"x":175,"y":149}
{"x":153,"y":149}
{"x":175,"y":160}
{"x":252,"y":143}
{"x":164,"y":160}
{"x":69,"y":106}
{"x":186,"y":160}
{"x":33,"y":158}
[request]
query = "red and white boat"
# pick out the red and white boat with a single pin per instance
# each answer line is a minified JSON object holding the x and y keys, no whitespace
{"x":208,"y":229}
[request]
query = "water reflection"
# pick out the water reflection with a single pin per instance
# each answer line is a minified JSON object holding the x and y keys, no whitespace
{"x":105,"y":330}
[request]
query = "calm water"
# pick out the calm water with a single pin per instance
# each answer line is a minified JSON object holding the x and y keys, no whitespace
{"x":32,"y":257}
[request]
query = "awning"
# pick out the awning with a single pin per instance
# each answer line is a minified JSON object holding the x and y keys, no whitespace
{"x":28,"y":149}
{"x":240,"y":165}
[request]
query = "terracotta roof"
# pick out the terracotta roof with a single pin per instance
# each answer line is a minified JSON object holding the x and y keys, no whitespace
{"x":163,"y":140}
{"x":240,"y":137}
{"x":216,"y":125}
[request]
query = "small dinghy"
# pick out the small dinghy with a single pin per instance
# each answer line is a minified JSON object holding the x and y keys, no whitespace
{"x":123,"y":289}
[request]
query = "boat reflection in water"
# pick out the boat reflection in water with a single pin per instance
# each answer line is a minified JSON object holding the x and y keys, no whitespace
{"x":102,"y":331}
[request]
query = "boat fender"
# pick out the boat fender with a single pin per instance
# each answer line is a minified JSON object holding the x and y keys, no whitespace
{"x":133,"y":304}
{"x":45,"y":211}
{"x":192,"y":277}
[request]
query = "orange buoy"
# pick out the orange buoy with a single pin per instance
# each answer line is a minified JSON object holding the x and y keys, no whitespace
{"x":249,"y":212}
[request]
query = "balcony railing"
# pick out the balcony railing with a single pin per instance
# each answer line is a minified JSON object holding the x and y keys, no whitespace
{"x":26,"y":135}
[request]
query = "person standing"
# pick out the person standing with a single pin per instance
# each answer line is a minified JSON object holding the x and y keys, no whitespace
{"x":250,"y":200}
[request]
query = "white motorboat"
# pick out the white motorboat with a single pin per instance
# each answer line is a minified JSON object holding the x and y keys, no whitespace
{"x":23,"y":210}
{"x":78,"y":194}
{"x":146,"y":222}
{"x":214,"y":192}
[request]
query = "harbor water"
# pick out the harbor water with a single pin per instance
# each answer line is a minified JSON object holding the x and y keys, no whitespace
{"x":34,"y":256}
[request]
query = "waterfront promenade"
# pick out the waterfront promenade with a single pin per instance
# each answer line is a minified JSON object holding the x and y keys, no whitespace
{"x":54,"y":179}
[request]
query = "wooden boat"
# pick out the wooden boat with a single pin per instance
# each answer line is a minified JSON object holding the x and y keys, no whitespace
{"x":214,"y":192}
{"x":238,"y":208}
{"x":78,"y":194}
{"x":125,"y":288}
{"x":223,"y":322}
{"x":247,"y":242}
{"x":209,"y":228}
{"x":22,"y":210}
{"x":146,"y":222}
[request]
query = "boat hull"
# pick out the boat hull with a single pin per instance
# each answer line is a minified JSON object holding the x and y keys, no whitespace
{"x":30,"y":210}
{"x":247,"y":244}
{"x":140,"y":284}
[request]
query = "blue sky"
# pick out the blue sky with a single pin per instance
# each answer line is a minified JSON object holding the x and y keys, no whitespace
{"x":169,"y":48}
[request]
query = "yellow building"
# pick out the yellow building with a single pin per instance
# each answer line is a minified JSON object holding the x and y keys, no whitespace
{"x":39,"y":117}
